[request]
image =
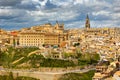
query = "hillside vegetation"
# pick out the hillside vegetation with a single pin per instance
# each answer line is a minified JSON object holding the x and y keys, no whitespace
{"x":78,"y":76}
{"x":26,"y":57}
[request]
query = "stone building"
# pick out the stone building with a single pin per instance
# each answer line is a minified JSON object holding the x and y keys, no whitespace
{"x":46,"y":34}
{"x":51,"y":39}
{"x":31,"y":38}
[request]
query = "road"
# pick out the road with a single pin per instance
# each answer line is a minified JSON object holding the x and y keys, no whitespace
{"x":57,"y":72}
{"x":43,"y":75}
{"x":64,"y":72}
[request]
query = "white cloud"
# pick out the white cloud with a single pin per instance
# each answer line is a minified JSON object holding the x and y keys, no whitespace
{"x":62,"y":2}
{"x":78,"y":2}
{"x":9,"y":12}
{"x":63,"y":15}
{"x":5,"y":12}
{"x":102,"y":12}
{"x":36,"y":3}
{"x":85,"y":2}
{"x":116,"y":16}
{"x":43,"y":3}
{"x":76,"y":24}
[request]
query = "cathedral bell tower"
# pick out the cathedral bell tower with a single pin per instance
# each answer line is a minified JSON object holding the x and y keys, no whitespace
{"x":87,"y":23}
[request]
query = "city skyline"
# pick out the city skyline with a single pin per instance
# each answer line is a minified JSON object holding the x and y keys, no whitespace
{"x":26,"y":13}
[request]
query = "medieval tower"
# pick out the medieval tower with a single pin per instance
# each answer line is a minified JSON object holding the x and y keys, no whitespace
{"x":87,"y":23}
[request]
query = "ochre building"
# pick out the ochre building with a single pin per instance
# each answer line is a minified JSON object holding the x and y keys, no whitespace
{"x":46,"y":34}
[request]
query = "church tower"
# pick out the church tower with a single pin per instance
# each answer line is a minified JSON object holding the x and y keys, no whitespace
{"x":87,"y":23}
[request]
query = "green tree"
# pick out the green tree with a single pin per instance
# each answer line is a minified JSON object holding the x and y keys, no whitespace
{"x":11,"y":76}
{"x":78,"y":76}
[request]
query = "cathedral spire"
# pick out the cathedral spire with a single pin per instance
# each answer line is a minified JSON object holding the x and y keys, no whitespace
{"x":87,"y":23}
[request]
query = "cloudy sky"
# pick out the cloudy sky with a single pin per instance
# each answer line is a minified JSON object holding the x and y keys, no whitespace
{"x":16,"y":14}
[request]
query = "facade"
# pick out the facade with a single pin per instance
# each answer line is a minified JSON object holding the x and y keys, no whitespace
{"x":46,"y":34}
{"x":51,"y":39}
{"x":31,"y":38}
